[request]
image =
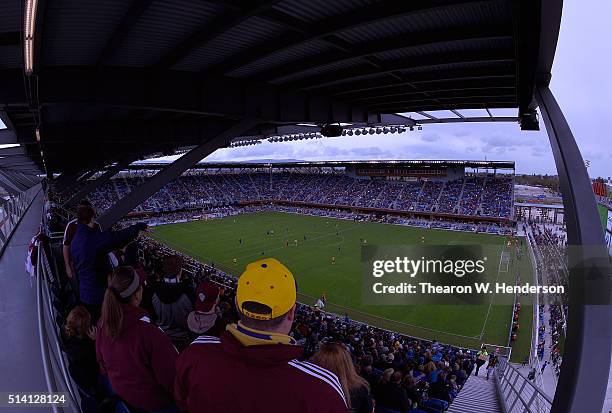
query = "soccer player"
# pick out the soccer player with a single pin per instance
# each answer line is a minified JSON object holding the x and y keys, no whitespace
{"x":423,"y":240}
{"x":333,"y":260}
{"x":320,"y":304}
{"x":235,"y":261}
{"x":296,"y":242}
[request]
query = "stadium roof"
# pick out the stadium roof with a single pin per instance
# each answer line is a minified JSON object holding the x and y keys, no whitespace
{"x":311,"y":164}
{"x":106,"y":80}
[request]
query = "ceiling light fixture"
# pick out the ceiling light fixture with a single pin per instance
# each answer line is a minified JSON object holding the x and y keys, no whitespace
{"x":28,"y":34}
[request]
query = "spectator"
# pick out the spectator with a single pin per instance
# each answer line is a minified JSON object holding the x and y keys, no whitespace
{"x":493,"y":361}
{"x":410,"y":385}
{"x":171,"y":299}
{"x":78,"y":342}
{"x":335,"y":358}
{"x":70,"y":232}
{"x":253,"y":367}
{"x":207,"y":318}
{"x":136,"y":357}
{"x":481,"y":358}
{"x":393,"y":396}
{"x":87,"y":248}
{"x":440,"y":389}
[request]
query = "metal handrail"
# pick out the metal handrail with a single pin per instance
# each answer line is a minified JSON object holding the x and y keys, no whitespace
{"x":45,"y":318}
{"x":517,"y":393}
{"x":67,"y":380}
{"x":42,"y":332}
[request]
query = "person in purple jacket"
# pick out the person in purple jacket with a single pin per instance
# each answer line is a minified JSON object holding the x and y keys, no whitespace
{"x":88,"y":251}
{"x":136,"y":357}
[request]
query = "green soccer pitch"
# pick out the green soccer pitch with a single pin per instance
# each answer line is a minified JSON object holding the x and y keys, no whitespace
{"x":217,"y":241}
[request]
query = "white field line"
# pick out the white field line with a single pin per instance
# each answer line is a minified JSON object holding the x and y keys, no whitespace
{"x":484,"y":325}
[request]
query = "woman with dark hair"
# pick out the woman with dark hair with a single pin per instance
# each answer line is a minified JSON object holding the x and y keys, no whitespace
{"x":335,"y":358}
{"x":137,"y":358}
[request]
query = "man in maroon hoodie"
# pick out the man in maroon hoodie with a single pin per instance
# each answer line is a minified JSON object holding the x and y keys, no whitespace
{"x":253,"y":367}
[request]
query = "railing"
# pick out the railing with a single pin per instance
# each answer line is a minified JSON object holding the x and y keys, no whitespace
{"x":55,"y":365}
{"x":517,"y":393}
{"x":11,"y":212}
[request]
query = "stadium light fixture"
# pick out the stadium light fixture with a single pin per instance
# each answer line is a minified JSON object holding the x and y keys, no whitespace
{"x":331,"y":130}
{"x":371,"y":131}
{"x":385,"y":130}
{"x":28,"y":34}
{"x":350,"y":132}
{"x":358,"y":132}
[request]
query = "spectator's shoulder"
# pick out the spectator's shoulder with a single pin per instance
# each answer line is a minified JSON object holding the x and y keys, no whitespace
{"x":198,"y":350}
{"x":322,"y":379}
{"x":203,"y":339}
{"x":145,"y":324}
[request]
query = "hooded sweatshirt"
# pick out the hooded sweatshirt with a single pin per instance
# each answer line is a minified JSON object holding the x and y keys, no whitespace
{"x":140,"y":362}
{"x":172,"y":304}
{"x":253,"y":371}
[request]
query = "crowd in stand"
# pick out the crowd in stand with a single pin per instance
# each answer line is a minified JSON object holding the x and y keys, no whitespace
{"x":550,"y":243}
{"x":220,"y":212}
{"x":556,"y":324}
{"x":487,"y":196}
{"x":153,"y":330}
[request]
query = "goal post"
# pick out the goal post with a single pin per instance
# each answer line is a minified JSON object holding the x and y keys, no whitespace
{"x":503,"y":351}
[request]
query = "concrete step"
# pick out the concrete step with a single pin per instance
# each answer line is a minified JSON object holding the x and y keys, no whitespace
{"x":479,"y":395}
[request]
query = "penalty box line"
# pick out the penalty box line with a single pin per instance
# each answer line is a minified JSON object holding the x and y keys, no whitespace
{"x":499,"y":270}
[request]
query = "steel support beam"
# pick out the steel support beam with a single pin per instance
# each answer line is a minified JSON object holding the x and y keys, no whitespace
{"x":8,"y":185}
{"x":172,"y":171}
{"x":66,"y":179}
{"x":27,"y":179}
{"x":588,"y":344}
{"x":72,"y":186}
{"x":95,"y":183}
{"x":16,"y":180}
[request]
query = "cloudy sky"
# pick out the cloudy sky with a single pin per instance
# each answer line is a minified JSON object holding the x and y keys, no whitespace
{"x":581,"y":84}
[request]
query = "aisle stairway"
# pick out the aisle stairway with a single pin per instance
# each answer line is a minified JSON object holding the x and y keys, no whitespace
{"x":478,"y":396}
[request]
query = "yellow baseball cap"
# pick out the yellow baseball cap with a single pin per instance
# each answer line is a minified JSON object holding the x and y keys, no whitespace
{"x":267,"y":288}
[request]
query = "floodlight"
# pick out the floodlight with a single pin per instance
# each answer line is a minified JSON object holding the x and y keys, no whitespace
{"x":331,"y":131}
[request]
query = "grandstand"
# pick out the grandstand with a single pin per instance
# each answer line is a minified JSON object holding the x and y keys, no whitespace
{"x":414,"y":188}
